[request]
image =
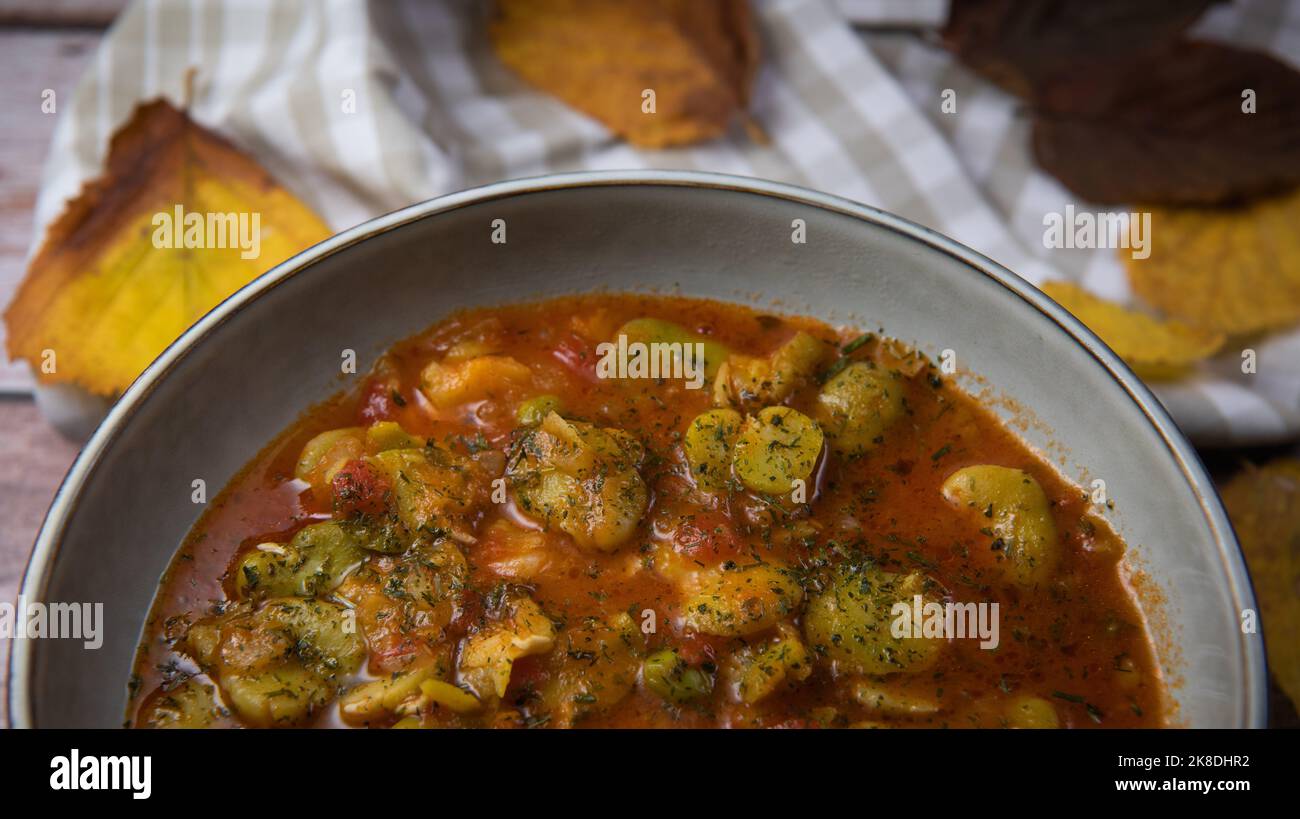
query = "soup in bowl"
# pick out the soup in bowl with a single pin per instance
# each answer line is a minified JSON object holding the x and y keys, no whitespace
{"x":648,"y":462}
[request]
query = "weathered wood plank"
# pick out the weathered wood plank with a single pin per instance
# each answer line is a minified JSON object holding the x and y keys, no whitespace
{"x":60,"y":13}
{"x":33,"y":460}
{"x":30,"y":61}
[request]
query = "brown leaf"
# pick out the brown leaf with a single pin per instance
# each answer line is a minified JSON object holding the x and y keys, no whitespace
{"x":106,"y":294}
{"x":1264,"y":505}
{"x":1169,"y":128}
{"x":1024,"y":44}
{"x":598,"y":56}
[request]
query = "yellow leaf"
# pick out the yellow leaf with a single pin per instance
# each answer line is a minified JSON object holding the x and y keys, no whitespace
{"x":1264,"y":505}
{"x":697,"y":58}
{"x":1155,"y":349}
{"x":1235,"y":269}
{"x":107,"y":294}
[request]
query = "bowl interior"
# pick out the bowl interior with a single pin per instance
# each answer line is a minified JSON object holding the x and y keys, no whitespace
{"x":252,"y":369}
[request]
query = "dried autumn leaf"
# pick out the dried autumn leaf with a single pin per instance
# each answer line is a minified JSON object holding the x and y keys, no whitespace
{"x":1233,"y":270}
{"x":1023,"y":44}
{"x":1169,"y":128}
{"x":599,"y":56}
{"x":1264,"y":505}
{"x":1155,"y":349}
{"x":104,"y":297}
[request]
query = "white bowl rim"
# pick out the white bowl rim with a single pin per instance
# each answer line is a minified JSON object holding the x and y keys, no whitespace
{"x":45,"y":550}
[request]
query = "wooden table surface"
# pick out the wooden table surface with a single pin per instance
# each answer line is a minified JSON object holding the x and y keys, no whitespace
{"x":45,"y":44}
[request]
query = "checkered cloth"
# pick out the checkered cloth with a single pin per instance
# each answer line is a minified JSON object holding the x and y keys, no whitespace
{"x":851,"y":109}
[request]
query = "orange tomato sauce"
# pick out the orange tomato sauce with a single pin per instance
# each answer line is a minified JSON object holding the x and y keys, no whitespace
{"x":1074,"y":640}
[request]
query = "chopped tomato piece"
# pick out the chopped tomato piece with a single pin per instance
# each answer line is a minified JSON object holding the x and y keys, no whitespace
{"x":360,"y":488}
{"x":697,"y":649}
{"x":707,"y":537}
{"x":381,"y":401}
{"x":577,"y":356}
{"x":527,"y":672}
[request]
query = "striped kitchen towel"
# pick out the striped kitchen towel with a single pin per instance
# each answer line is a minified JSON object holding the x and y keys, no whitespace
{"x":850,"y":111}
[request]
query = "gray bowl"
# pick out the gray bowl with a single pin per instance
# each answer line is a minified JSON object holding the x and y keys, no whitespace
{"x":248,"y":368}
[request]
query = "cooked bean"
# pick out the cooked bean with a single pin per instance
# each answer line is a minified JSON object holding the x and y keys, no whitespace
{"x":857,"y":406}
{"x":850,"y":623}
{"x":775,"y":448}
{"x":1011,"y":504}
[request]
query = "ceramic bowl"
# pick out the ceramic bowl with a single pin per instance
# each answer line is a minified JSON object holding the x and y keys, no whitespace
{"x":252,"y":365}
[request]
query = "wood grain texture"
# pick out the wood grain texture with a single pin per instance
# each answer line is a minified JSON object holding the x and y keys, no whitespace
{"x":30,"y":62}
{"x":62,"y":13}
{"x":33,"y":460}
